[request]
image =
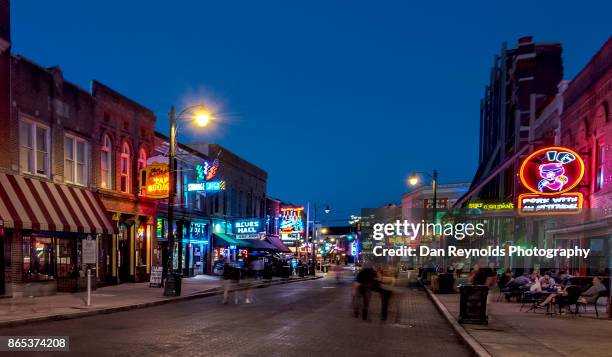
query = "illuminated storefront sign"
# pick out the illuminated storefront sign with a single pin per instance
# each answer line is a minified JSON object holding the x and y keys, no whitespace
{"x":157,"y":180}
{"x":205,"y":173}
{"x":247,"y":228}
{"x":197,"y":233}
{"x":491,"y":206}
{"x":291,"y":220}
{"x":207,"y":186}
{"x":562,"y":203}
{"x":550,"y":173}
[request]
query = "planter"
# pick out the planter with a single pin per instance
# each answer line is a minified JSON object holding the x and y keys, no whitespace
{"x":67,"y":285}
{"x":73,"y":285}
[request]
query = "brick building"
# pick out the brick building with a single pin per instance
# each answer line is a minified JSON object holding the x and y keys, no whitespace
{"x":122,"y":140}
{"x":48,"y":206}
{"x":585,"y":126}
{"x":5,"y":103}
{"x":523,"y":82}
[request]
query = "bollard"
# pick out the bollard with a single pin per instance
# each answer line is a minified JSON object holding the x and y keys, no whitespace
{"x":88,"y":287}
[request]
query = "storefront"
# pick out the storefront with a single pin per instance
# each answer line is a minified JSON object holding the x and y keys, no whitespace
{"x":196,"y":247}
{"x":129,"y":251}
{"x":234,"y":241}
{"x":44,"y":225}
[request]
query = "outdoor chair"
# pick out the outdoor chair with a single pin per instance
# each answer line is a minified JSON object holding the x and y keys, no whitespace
{"x":573,"y":294}
{"x":605,"y":293}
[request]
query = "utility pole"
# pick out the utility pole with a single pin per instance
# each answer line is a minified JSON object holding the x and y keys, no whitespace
{"x":170,"y":284}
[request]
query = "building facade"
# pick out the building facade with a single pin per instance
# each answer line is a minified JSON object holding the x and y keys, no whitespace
{"x":122,"y":141}
{"x":585,"y":127}
{"x":47,"y":184}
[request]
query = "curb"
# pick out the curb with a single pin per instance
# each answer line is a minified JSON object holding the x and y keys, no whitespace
{"x":470,"y":341}
{"x":110,"y":310}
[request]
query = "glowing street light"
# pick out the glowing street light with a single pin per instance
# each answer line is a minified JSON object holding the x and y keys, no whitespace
{"x":202,"y":117}
{"x":413,"y":180}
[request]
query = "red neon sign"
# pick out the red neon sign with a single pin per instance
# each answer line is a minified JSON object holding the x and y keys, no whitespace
{"x":552,"y":170}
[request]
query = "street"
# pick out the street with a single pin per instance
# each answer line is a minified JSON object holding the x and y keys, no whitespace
{"x":303,"y":319}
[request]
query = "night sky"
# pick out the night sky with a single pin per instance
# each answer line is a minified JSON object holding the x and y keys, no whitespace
{"x":337,"y":101}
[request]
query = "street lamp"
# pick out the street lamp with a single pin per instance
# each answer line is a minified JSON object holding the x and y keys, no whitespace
{"x":414,"y":180}
{"x":327,"y":210}
{"x":201,"y":116}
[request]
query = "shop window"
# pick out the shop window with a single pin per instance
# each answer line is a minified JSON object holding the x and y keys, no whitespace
{"x":37,"y":258}
{"x":599,"y":166}
{"x":33,"y":148}
{"x":125,"y":168}
{"x":75,"y":160}
{"x":66,"y":252}
{"x":106,"y":177}
{"x":141,"y":246}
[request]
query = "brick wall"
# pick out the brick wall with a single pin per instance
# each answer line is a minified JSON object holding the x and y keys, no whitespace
{"x":5,"y":63}
{"x":42,"y":95}
{"x":123,"y":120}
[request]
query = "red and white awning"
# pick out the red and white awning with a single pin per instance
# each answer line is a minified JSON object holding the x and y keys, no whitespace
{"x":27,"y":203}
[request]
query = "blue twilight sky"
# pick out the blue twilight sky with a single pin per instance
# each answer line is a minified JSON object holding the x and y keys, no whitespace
{"x":337,"y":100}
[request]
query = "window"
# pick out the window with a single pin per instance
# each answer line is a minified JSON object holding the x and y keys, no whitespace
{"x":106,"y":177}
{"x":37,"y":258}
{"x":142,"y":164}
{"x":125,"y":168}
{"x":33,"y":148}
{"x":599,"y":166}
{"x":75,"y":160}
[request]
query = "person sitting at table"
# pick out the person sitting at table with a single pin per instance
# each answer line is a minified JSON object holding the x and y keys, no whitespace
{"x":591,"y":294}
{"x":521,"y":281}
{"x":547,"y":282}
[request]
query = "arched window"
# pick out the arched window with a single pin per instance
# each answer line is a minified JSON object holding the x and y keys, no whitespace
{"x":106,"y":166}
{"x":142,"y":159}
{"x":125,"y":168}
{"x":142,"y":163}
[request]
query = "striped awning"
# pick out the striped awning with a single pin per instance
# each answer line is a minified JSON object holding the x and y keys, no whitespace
{"x":27,"y":203}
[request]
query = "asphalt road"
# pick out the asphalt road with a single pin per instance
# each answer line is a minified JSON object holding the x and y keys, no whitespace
{"x":299,"y":319}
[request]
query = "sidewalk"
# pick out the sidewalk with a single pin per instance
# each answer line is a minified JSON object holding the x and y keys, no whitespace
{"x":511,"y":332}
{"x":127,"y":296}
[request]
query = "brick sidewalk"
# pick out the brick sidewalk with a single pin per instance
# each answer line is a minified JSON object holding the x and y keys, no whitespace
{"x":511,"y":332}
{"x":127,"y":295}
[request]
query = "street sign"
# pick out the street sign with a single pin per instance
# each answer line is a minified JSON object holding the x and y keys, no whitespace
{"x":89,"y":251}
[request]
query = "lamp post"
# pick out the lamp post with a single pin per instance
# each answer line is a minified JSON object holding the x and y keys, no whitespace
{"x":201,"y":117}
{"x":413,"y":180}
{"x":314,"y":233}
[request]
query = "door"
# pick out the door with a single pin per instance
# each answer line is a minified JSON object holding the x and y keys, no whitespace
{"x":124,"y":261}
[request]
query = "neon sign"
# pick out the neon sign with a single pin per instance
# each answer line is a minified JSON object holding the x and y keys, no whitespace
{"x":491,"y":206}
{"x":158,"y":180}
{"x":564,"y":203}
{"x":204,"y":174}
{"x":208,"y":186}
{"x":291,"y":220}
{"x":206,"y":171}
{"x":550,"y":173}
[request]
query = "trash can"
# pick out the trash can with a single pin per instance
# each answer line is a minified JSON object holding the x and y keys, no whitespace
{"x":267,"y":273}
{"x":302,"y":270}
{"x":178,"y":282}
{"x":325,"y":268}
{"x":285,"y":271}
{"x":446,"y":283}
{"x":473,"y":304}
